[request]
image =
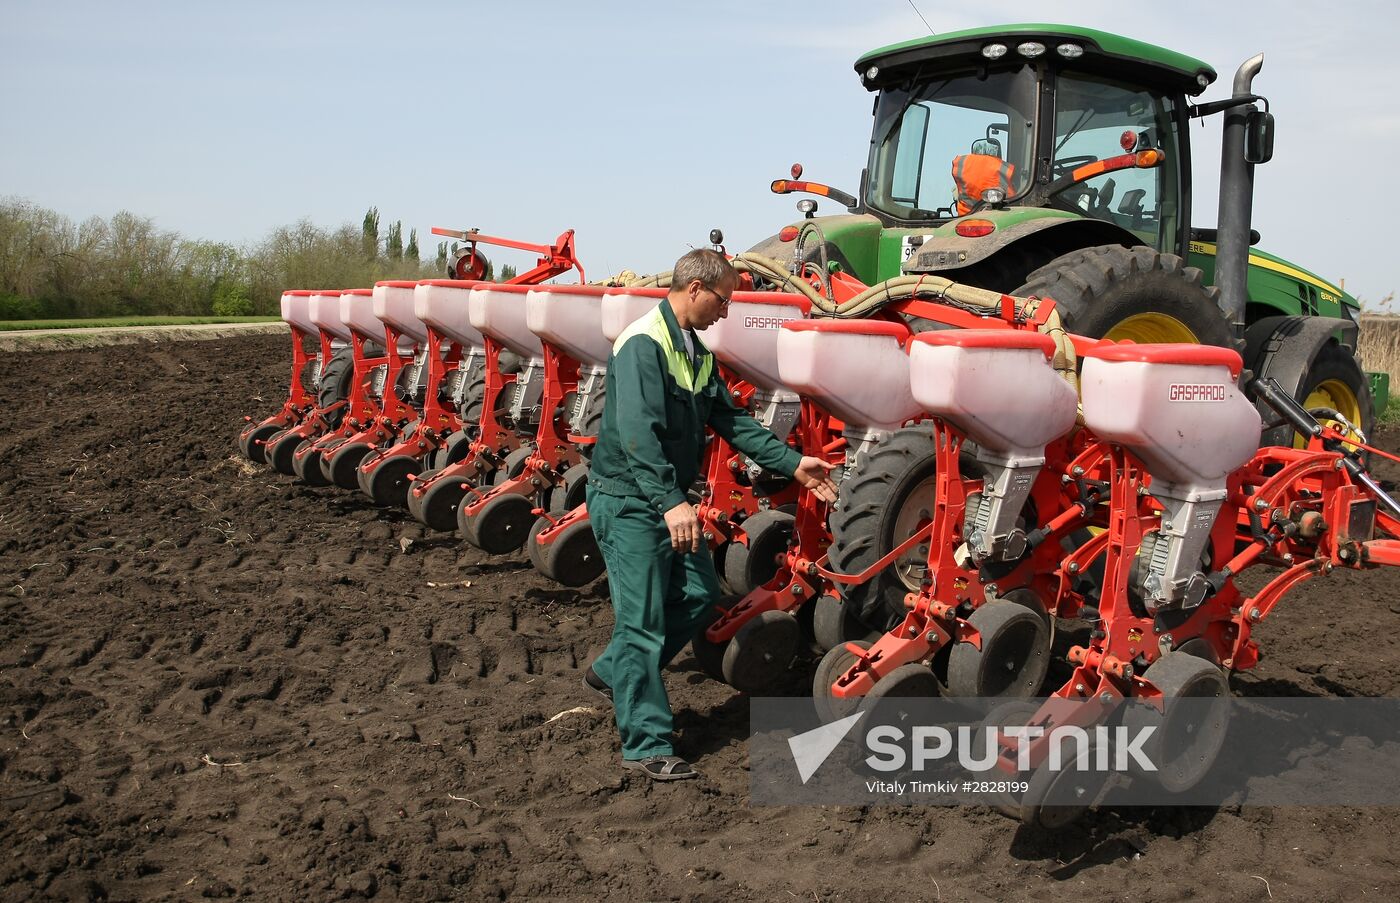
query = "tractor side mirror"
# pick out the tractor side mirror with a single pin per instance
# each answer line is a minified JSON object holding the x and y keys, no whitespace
{"x":989,"y":147}
{"x":1259,"y":137}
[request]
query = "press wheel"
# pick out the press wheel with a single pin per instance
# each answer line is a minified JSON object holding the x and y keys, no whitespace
{"x":1190,"y":728}
{"x":836,"y":662}
{"x":307,"y":464}
{"x":343,"y":464}
{"x":501,"y":525}
{"x":572,"y":558}
{"x":834,"y":623}
{"x":251,"y":442}
{"x":280,"y":450}
{"x":437,"y":506}
{"x":1056,"y":799}
{"x":388,"y":483}
{"x":761,"y":651}
{"x":1013,"y":658}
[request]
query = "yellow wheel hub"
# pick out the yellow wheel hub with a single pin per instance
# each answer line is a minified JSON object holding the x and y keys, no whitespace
{"x":1152,"y":329}
{"x":1337,"y":395}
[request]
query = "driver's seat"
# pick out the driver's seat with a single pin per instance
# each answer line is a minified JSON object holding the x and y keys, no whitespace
{"x":974,"y":174}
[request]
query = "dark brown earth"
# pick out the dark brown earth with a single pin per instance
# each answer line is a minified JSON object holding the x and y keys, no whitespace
{"x":216,"y":683}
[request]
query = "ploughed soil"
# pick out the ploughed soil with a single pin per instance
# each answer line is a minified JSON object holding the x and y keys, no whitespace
{"x":217,"y":683}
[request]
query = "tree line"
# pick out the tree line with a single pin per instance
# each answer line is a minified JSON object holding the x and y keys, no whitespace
{"x":52,"y":267}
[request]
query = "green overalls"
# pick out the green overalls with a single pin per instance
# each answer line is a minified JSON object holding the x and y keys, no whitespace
{"x":647,"y":455}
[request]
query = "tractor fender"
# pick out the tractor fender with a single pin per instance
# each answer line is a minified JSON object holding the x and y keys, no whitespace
{"x":1063,"y":232}
{"x":1284,"y":348}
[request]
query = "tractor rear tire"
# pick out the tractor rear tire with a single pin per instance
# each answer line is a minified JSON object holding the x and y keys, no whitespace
{"x":334,"y":385}
{"x":1132,"y":293}
{"x":881,"y":502}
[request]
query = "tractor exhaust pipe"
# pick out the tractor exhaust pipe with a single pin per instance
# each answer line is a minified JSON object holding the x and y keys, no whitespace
{"x":1236,"y":202}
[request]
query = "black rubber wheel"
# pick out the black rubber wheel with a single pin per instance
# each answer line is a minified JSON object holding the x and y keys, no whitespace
{"x":761,"y":651}
{"x":1014,"y":657}
{"x":1335,"y":379}
{"x":911,"y":681}
{"x":513,"y":466}
{"x":334,"y":385}
{"x":1131,"y":293}
{"x":280,"y":450}
{"x":882,"y":501}
{"x":836,"y":662}
{"x":252,"y":442}
{"x":1056,"y":799}
{"x":456,"y":448}
{"x":749,"y":566}
{"x":414,"y":502}
{"x":833,"y":623}
{"x":437,"y":507}
{"x":575,"y":486}
{"x":501,"y":525}
{"x":1189,"y":731}
{"x":343,"y":464}
{"x":573,"y":558}
{"x":709,"y":656}
{"x":307,"y":464}
{"x":1009,"y":714}
{"x":388,"y":483}
{"x":323,"y":461}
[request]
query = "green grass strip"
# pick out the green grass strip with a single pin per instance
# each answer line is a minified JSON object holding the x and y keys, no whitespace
{"x":116,"y":322}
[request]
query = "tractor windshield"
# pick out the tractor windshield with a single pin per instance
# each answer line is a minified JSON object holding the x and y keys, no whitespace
{"x":939,"y":145}
{"x":1098,"y":118}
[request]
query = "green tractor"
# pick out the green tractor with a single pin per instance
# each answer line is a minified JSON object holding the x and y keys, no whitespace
{"x":1055,"y":161}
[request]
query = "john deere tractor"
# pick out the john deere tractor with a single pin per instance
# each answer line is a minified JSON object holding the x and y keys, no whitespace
{"x":1055,"y":161}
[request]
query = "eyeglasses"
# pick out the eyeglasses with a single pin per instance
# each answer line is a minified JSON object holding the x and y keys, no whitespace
{"x":724,"y":301}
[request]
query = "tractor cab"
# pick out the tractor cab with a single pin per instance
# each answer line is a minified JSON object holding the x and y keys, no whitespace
{"x":999,"y":123}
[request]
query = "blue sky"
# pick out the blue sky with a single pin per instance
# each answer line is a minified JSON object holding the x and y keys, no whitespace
{"x":642,"y":126}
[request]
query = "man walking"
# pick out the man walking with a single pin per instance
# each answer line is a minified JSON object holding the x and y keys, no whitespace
{"x":663,"y":389}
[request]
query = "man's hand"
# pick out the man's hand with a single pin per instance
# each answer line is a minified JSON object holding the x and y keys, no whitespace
{"x":814,"y":475}
{"x":684,"y":527}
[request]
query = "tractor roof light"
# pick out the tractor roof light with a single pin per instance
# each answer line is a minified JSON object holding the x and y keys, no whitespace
{"x":1030,"y":49}
{"x":975,"y":228}
{"x":1070,"y":51}
{"x":1202,"y":80}
{"x":994,"y":195}
{"x":994,"y":51}
{"x":872,"y":73}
